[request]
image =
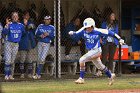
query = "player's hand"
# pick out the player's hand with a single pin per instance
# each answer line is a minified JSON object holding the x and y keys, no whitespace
{"x":42,"y":36}
{"x":71,"y":32}
{"x":79,"y":42}
{"x":25,"y":21}
{"x":121,"y":41}
{"x":46,"y":34}
{"x":6,"y":26}
{"x":8,"y":21}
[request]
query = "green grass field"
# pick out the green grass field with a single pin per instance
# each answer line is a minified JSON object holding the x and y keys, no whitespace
{"x":67,"y":85}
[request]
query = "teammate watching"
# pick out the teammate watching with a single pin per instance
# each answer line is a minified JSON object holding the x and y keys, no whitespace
{"x":92,"y":36}
{"x":69,"y":41}
{"x":13,"y":32}
{"x":109,"y":44}
{"x":45,"y":34}
{"x":27,"y":45}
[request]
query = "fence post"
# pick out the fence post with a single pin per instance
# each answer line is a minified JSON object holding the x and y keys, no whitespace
{"x":119,"y":62}
{"x":57,"y":39}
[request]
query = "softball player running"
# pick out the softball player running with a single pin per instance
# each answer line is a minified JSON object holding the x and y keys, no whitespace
{"x":45,"y":33}
{"x":13,"y":32}
{"x":92,"y":36}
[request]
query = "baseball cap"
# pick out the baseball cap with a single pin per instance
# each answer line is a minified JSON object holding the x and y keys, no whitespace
{"x":47,"y":17}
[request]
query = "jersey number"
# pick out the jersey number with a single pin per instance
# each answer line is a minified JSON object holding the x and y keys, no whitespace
{"x":90,"y":40}
{"x":15,"y":35}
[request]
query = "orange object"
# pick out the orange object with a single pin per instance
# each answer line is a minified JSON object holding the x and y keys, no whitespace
{"x":135,"y":55}
{"x":124,"y":53}
{"x":137,"y":27}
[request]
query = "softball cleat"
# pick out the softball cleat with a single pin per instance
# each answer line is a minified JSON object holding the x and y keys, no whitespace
{"x":111,"y":80}
{"x":22,"y":76}
{"x":37,"y":76}
{"x":80,"y":81}
{"x":6,"y":77}
{"x":30,"y":76}
{"x":11,"y":77}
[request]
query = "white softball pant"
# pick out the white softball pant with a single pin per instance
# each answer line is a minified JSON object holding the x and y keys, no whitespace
{"x":94,"y":56}
{"x":43,"y":49}
{"x":10,"y":51}
{"x":27,"y":55}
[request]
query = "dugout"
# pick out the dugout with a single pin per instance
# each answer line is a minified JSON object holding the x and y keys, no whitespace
{"x":70,"y":7}
{"x":83,"y":8}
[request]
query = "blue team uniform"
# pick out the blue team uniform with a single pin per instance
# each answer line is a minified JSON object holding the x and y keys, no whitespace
{"x":92,"y":39}
{"x":26,"y":48}
{"x":92,"y":42}
{"x":45,"y":28}
{"x":14,"y":32}
{"x":27,"y":41}
{"x":43,"y":44}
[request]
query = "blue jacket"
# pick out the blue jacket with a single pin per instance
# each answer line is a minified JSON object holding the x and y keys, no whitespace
{"x":28,"y":40}
{"x":65,"y":35}
{"x":115,"y":30}
{"x":14,"y":32}
{"x":45,"y":28}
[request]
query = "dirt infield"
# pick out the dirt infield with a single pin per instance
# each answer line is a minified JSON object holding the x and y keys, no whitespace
{"x":108,"y":91}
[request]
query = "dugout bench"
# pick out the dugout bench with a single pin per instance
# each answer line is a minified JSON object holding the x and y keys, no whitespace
{"x":133,"y":65}
{"x":67,"y":65}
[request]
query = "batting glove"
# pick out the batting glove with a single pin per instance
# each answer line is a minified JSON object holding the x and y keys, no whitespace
{"x":46,"y":34}
{"x":71,"y":32}
{"x":121,"y":41}
{"x":42,"y":36}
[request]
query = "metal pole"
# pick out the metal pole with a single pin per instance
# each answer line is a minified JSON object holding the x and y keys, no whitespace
{"x":119,"y":62}
{"x":57,"y":39}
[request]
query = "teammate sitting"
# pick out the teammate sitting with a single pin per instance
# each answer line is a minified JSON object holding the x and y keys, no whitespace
{"x":92,"y":36}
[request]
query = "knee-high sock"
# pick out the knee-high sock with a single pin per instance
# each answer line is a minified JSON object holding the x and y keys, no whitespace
{"x":22,"y":68}
{"x":82,"y":72}
{"x":39,"y":69}
{"x":7,"y":69}
{"x":30,"y":67}
{"x":107,"y":72}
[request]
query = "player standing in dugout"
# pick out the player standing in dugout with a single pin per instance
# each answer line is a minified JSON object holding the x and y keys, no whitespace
{"x":45,"y":35}
{"x":13,"y":32}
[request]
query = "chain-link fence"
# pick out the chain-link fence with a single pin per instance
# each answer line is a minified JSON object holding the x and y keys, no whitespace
{"x":72,"y":50}
{"x":39,"y":50}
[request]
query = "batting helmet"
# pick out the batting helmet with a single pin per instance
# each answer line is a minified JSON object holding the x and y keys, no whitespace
{"x":88,"y":22}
